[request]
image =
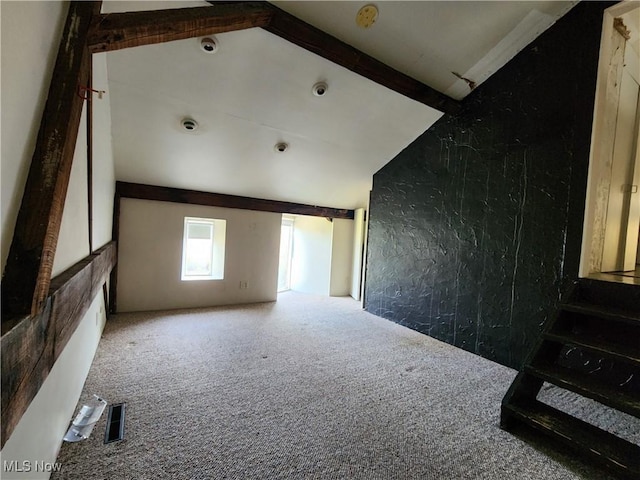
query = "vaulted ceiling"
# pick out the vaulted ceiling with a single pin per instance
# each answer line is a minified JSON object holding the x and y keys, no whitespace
{"x":255,"y":91}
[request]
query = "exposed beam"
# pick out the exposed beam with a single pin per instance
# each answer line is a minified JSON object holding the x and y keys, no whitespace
{"x":115,"y":236}
{"x":31,"y":344}
{"x":315,"y":40}
{"x":25,"y":284}
{"x":178,"y":195}
{"x":90,"y":157}
{"x":122,"y":30}
{"x":114,"y":31}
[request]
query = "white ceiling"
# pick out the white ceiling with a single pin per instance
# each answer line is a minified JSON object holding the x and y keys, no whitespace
{"x":428,"y":40}
{"x":255,"y":91}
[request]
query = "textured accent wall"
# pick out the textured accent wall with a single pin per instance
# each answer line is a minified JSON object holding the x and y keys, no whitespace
{"x":475,"y":228}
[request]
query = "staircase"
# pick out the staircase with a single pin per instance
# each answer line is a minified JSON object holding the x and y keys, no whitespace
{"x":592,"y":348}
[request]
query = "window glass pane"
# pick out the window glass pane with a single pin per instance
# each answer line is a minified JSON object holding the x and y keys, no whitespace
{"x":200,"y":230}
{"x":199,"y":252}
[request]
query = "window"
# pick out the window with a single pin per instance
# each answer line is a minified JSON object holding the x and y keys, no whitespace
{"x":203,"y":249}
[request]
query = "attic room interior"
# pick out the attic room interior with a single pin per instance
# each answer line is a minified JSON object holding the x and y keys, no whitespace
{"x":313,"y":239}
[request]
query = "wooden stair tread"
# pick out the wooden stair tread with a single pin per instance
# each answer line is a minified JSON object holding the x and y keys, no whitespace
{"x":607,"y":313}
{"x":602,"y":319}
{"x":611,"y":350}
{"x":607,"y":294}
{"x":615,"y":452}
{"x":587,"y":386}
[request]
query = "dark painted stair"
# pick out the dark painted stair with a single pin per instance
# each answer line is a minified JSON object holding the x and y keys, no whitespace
{"x":591,"y":347}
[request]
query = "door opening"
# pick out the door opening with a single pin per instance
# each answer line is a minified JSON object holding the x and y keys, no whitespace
{"x":623,"y":210}
{"x":612,"y":212}
{"x":286,"y":254}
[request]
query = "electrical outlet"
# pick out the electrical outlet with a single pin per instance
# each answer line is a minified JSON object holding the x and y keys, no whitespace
{"x":244,"y":285}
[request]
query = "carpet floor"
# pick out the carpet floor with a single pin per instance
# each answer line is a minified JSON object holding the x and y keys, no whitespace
{"x":306,"y":388}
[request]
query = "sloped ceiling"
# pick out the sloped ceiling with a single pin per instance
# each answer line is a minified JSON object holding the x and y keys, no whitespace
{"x":256,"y":91}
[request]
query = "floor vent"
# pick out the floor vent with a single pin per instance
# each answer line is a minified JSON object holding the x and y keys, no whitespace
{"x":115,"y":423}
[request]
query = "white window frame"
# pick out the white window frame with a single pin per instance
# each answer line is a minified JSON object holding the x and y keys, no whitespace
{"x":218,"y":234}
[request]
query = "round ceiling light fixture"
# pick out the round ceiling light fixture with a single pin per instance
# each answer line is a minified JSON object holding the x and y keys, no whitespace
{"x":189,"y":124}
{"x":209,"y":44}
{"x":367,"y":16}
{"x":281,"y":147}
{"x":320,"y":89}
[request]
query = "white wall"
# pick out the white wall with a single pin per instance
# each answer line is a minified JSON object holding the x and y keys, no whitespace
{"x":104,"y":183}
{"x":29,"y":37}
{"x":150,"y":257}
{"x":38,"y":435}
{"x":311,"y":263}
{"x":358,"y":253}
{"x":322,"y":260}
{"x":73,"y":240}
{"x":341,"y":257}
{"x":27,"y":62}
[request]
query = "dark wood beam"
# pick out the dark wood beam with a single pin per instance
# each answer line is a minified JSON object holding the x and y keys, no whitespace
{"x":115,"y":236}
{"x":90,"y":157}
{"x":315,"y":40}
{"x":122,"y":30}
{"x":73,"y":291}
{"x":178,"y":195}
{"x":114,"y":31}
{"x":27,"y":274}
{"x":31,"y":344}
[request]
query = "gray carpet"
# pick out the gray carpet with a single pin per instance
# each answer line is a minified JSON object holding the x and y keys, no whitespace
{"x":307,"y":387}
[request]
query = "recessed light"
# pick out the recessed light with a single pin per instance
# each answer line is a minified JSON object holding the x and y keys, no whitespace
{"x":281,"y":147}
{"x":209,"y":44}
{"x":189,"y":124}
{"x":367,"y":16}
{"x":320,"y":89}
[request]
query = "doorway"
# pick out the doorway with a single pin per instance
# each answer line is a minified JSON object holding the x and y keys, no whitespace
{"x":316,"y":255}
{"x":286,"y":254}
{"x":610,"y":249}
{"x":623,"y":211}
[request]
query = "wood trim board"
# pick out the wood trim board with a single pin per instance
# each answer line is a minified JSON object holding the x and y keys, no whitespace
{"x":31,"y":344}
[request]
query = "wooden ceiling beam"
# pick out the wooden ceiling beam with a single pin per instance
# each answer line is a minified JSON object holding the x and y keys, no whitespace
{"x":179,"y":195}
{"x":315,"y":40}
{"x":115,"y":31}
{"x":27,"y":275}
{"x":31,"y":344}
